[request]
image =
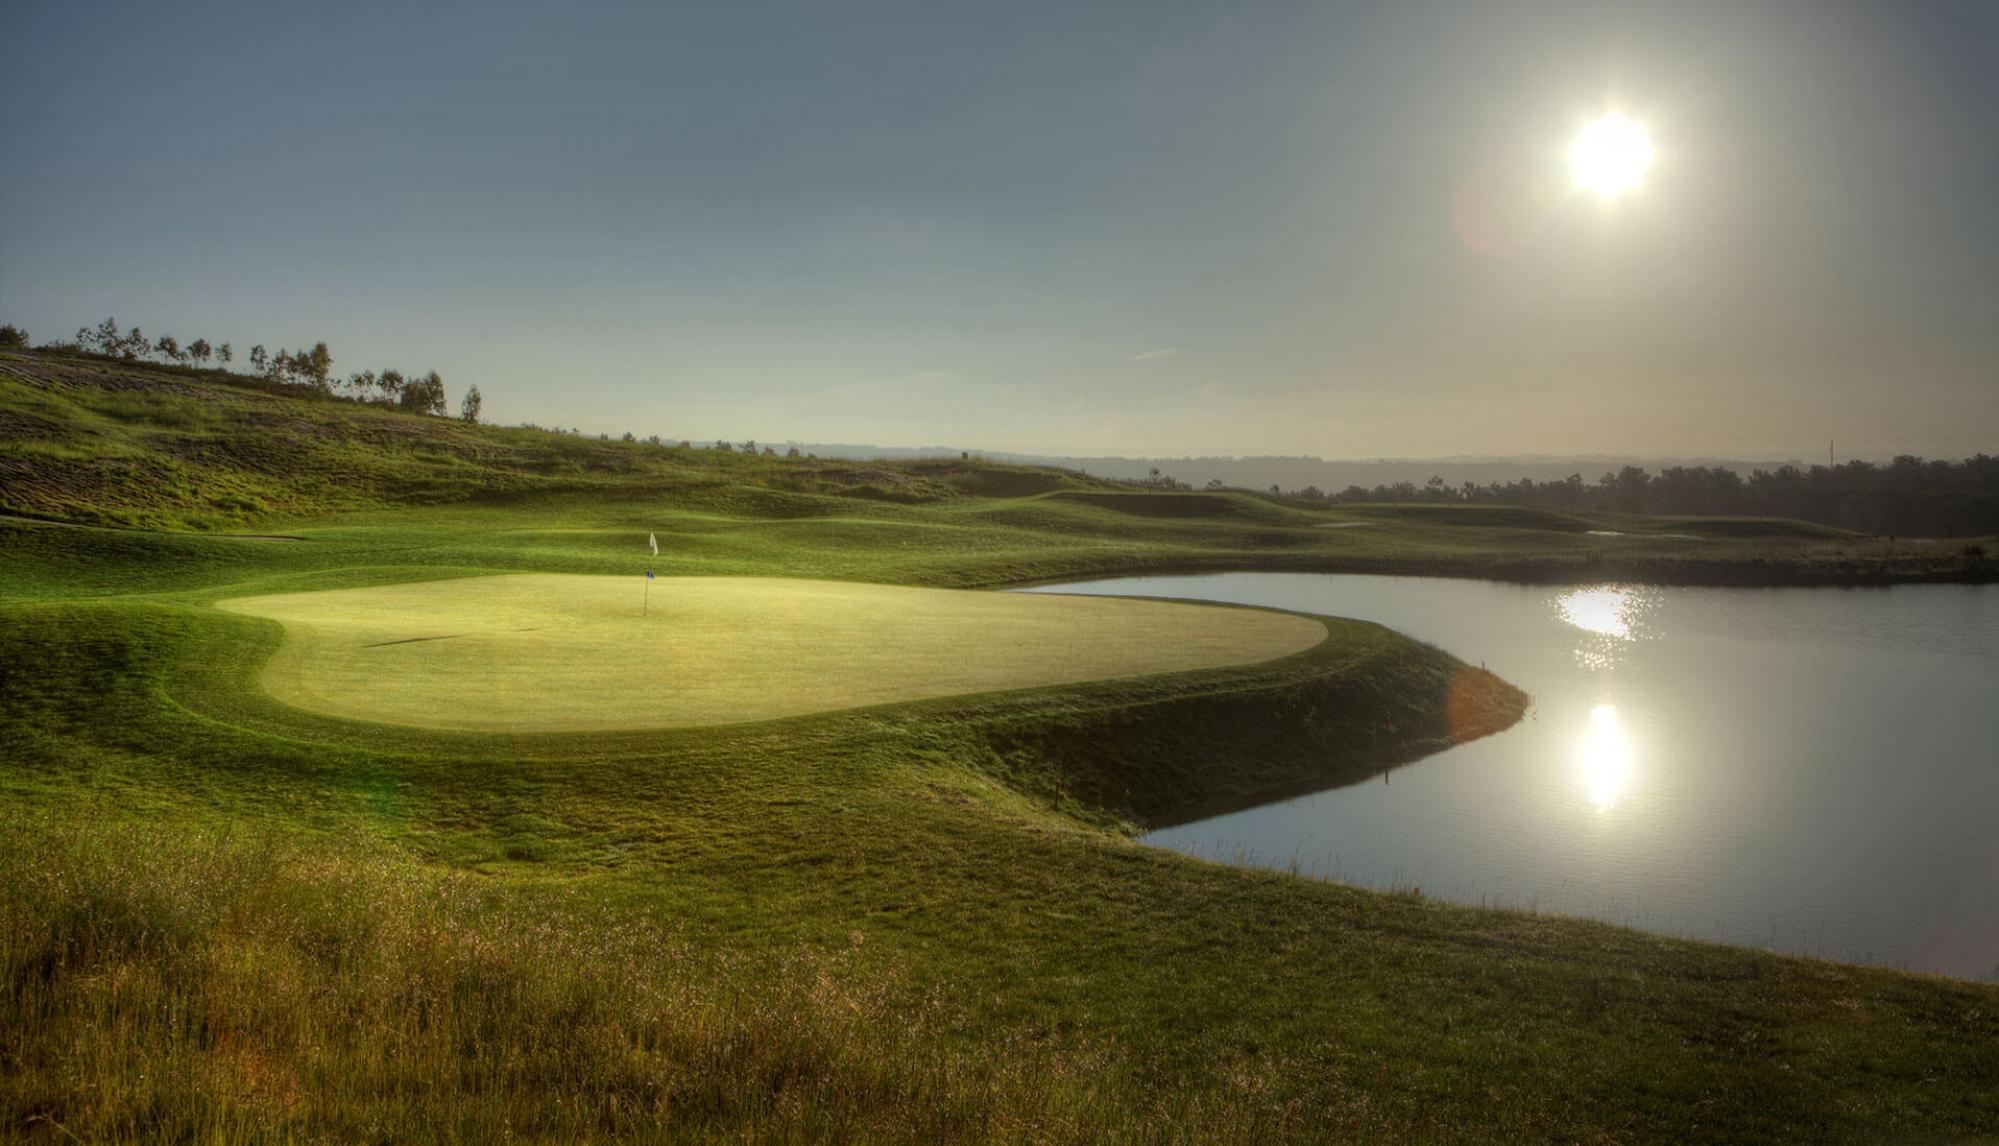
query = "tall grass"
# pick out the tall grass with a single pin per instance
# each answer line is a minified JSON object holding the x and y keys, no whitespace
{"x":178,"y":985}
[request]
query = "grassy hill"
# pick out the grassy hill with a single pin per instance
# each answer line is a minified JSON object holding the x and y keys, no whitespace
{"x":221,"y":917}
{"x":95,"y":441}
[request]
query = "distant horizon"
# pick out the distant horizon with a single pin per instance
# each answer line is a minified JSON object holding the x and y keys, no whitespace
{"x":1145,"y":230}
{"x":1733,"y":459}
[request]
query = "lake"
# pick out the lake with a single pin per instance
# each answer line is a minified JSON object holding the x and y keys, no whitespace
{"x":1813,"y":771}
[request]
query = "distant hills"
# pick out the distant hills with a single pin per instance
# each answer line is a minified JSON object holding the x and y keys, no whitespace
{"x":1299,"y":472}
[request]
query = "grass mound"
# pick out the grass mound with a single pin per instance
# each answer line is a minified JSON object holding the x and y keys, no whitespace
{"x":1776,"y":528}
{"x":539,"y":652}
{"x":1477,"y":516}
{"x":1181,"y":505}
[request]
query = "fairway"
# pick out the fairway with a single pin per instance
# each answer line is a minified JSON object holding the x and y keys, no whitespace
{"x":546,"y":652}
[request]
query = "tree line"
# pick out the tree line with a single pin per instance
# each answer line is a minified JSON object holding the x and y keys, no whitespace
{"x":1908,"y":496}
{"x":310,"y":369}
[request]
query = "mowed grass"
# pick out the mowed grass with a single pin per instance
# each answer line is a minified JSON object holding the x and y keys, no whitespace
{"x":549,"y":652}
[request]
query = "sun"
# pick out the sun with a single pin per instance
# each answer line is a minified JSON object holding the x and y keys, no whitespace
{"x":1611,"y":156}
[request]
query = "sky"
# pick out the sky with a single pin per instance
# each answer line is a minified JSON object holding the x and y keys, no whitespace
{"x":1348,"y":230}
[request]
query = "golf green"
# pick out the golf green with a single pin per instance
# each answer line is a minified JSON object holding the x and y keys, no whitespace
{"x":546,"y":652}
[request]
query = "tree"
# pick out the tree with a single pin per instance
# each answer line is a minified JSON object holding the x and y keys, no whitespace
{"x":260,"y":359}
{"x":169,"y":348}
{"x":468,"y":406}
{"x":424,"y":395}
{"x":629,"y":437}
{"x":315,"y":366}
{"x":433,"y":384}
{"x":199,"y":350}
{"x":13,"y":337}
{"x":391,"y":384}
{"x":361,"y":384}
{"x":105,"y":337}
{"x":135,"y":344}
{"x":223,"y":354}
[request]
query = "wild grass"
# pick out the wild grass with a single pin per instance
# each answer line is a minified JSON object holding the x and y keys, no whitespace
{"x":220,"y":986}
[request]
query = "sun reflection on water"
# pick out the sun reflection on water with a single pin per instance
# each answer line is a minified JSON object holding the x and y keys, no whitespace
{"x":1610,"y":619}
{"x":1606,"y":757}
{"x":1606,"y":611}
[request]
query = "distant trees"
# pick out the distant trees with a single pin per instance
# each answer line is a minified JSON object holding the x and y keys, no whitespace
{"x":312,"y":368}
{"x":1908,"y":496}
{"x":360,"y":385}
{"x":13,"y":337}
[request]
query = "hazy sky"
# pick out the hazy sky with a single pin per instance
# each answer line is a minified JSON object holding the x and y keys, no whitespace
{"x":1341,"y":229}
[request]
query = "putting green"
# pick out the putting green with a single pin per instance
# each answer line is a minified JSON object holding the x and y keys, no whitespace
{"x":541,"y":652}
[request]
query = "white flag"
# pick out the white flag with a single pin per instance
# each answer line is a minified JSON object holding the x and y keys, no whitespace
{"x":654,"y":542}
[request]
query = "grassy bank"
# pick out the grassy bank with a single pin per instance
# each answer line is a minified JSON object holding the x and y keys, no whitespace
{"x":926,"y":922}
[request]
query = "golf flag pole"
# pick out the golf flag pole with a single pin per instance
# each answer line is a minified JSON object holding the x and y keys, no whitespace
{"x":645,"y":608}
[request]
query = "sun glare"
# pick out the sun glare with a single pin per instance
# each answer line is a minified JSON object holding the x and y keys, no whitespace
{"x":1611,"y":156}
{"x":1606,"y":757}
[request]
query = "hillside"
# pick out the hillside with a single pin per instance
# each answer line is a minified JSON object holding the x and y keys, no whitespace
{"x":130,"y":445}
{"x":100,"y":441}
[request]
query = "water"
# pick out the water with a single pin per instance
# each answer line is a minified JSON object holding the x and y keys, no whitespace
{"x":1808,"y":770}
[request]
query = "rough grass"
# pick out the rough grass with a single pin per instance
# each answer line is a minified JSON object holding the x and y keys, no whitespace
{"x":545,"y":652}
{"x":219,"y":986}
